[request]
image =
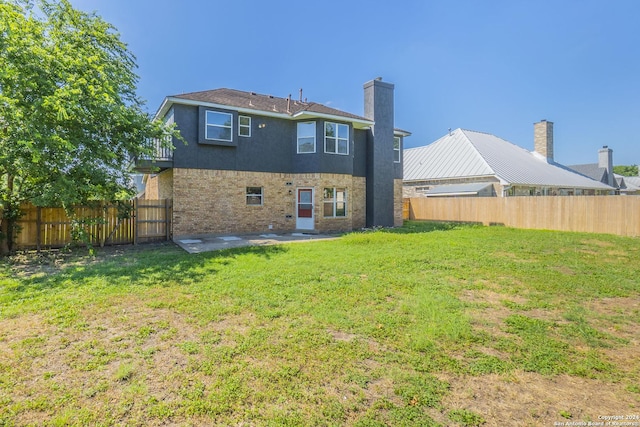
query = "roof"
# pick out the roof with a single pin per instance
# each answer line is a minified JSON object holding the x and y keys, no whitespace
{"x":458,"y":189}
{"x":254,"y":101}
{"x":628,"y":183}
{"x":633,"y":180}
{"x":465,"y":153}
{"x":251,"y":102}
{"x":592,"y":170}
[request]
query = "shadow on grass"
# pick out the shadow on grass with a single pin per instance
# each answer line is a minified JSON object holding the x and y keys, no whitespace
{"x":165,"y":266}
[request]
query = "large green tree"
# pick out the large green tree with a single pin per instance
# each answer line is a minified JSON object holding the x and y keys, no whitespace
{"x":626,"y":170}
{"x":70,"y":119}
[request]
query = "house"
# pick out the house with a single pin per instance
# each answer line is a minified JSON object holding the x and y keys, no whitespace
{"x":603,"y":172}
{"x":466,"y":163}
{"x":631,"y":183}
{"x":258,"y":163}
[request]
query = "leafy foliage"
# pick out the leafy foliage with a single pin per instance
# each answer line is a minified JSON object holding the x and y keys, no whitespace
{"x":626,"y":170}
{"x":70,"y":119}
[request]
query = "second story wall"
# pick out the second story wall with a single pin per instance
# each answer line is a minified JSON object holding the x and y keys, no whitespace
{"x":262,"y":144}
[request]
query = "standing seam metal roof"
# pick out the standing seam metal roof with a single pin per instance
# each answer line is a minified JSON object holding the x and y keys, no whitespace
{"x":465,"y":153}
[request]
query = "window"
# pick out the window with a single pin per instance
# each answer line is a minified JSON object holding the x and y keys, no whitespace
{"x":335,"y":202}
{"x":254,"y":196}
{"x":396,"y":149}
{"x":307,"y":137}
{"x":336,"y":138}
{"x":244,"y":126}
{"x":218,"y":126}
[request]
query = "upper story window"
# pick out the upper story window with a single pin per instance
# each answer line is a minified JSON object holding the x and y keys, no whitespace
{"x":336,"y":138}
{"x":396,"y":149}
{"x":244,"y":126}
{"x":218,"y":126}
{"x":307,"y":137}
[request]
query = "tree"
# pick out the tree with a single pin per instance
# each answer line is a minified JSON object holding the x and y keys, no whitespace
{"x":70,"y":119}
{"x":626,"y":170}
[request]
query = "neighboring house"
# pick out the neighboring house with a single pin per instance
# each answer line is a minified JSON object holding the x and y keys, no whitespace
{"x":259,"y":163}
{"x":632,"y":183}
{"x":603,"y":172}
{"x":467,"y":163}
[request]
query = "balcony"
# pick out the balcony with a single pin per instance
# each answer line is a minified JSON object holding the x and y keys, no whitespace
{"x":162,"y":159}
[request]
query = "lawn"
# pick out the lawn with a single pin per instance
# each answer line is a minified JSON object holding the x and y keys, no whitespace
{"x":430,"y":324}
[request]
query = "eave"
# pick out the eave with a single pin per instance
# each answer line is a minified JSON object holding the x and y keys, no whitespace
{"x":302,"y":115}
{"x":152,"y":166}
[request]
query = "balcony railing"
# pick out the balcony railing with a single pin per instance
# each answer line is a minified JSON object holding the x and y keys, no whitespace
{"x":160,"y":151}
{"x":162,"y":158}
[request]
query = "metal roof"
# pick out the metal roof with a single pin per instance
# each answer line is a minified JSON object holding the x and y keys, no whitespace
{"x":465,"y":153}
{"x":458,"y":189}
{"x":633,"y":180}
{"x":628,"y":183}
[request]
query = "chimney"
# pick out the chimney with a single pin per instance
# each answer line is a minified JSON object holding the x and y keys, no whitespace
{"x":605,"y":160}
{"x":381,"y":171}
{"x":543,"y":139}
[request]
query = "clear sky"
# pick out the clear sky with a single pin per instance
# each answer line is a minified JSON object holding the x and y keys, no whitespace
{"x":493,"y":66}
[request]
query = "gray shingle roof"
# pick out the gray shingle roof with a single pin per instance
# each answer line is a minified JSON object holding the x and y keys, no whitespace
{"x":592,"y":170}
{"x":465,"y":153}
{"x":266,"y":103}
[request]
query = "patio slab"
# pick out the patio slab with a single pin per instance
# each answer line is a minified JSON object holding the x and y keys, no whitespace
{"x":216,"y":242}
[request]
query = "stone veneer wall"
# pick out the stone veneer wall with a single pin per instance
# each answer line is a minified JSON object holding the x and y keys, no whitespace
{"x":214,"y":201}
{"x":159,"y":186}
{"x":397,"y":203}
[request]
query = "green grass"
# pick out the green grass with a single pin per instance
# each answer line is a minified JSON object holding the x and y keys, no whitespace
{"x":362,"y":330}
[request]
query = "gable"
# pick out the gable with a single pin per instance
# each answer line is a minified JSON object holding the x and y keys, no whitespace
{"x":452,"y":156}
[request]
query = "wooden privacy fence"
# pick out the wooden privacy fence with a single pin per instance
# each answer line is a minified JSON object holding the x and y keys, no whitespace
{"x":594,"y":214}
{"x":147,"y":220}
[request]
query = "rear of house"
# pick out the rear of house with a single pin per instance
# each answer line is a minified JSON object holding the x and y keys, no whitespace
{"x":259,"y":163}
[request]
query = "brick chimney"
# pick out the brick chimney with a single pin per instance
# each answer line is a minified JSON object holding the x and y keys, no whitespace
{"x":605,"y":160}
{"x":543,"y":139}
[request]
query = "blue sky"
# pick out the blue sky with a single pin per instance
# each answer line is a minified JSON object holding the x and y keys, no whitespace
{"x":494,"y":66}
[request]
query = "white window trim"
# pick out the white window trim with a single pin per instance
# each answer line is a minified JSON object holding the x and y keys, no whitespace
{"x":298,"y":138}
{"x":241,"y":126}
{"x":336,"y":138}
{"x":207,"y":124}
{"x":261,"y":195}
{"x":335,"y":202}
{"x":399,"y":150}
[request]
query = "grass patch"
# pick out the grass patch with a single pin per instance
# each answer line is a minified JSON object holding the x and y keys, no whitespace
{"x":365,"y":330}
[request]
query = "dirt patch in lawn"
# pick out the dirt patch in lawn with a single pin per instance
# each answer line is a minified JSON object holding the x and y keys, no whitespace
{"x":29,"y":263}
{"x":528,"y":399}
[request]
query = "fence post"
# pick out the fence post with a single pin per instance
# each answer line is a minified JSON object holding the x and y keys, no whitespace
{"x":167,"y":219}
{"x":135,"y":221}
{"x":103,"y":237}
{"x":38,"y":227}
